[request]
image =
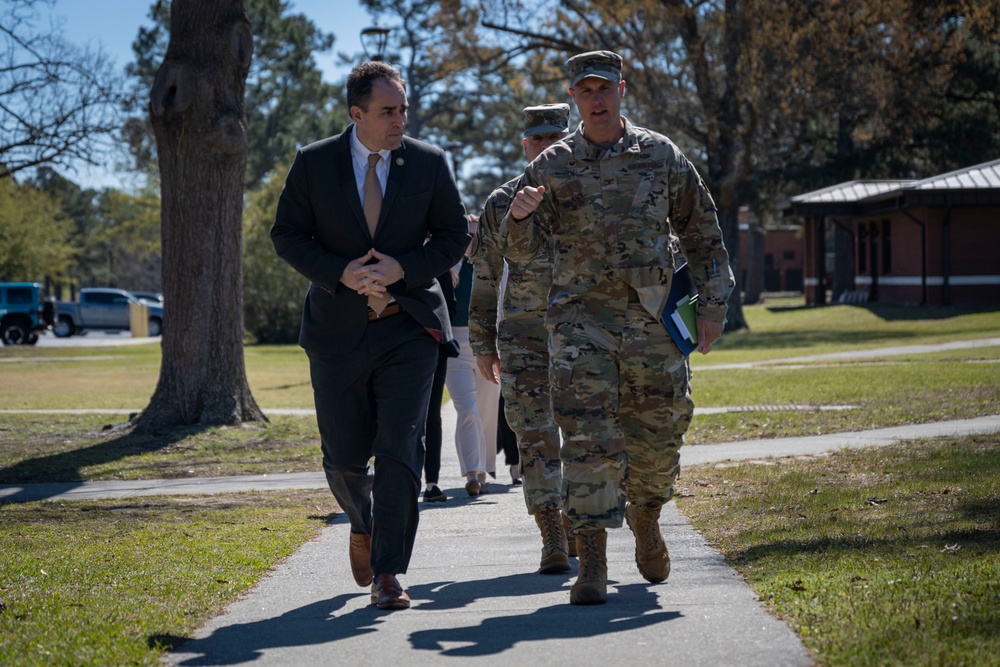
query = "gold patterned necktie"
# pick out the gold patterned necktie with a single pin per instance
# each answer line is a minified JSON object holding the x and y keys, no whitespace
{"x":373,"y":206}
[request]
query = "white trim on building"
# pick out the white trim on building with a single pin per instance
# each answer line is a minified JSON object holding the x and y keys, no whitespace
{"x":915,"y":281}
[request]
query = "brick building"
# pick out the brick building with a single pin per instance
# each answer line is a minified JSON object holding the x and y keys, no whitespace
{"x":771,"y":260}
{"x":934,"y":241}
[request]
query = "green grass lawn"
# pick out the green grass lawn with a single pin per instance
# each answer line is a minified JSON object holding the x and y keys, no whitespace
{"x":881,"y":556}
{"x":116,"y":582}
{"x":882,"y":392}
{"x":876,"y":557}
{"x":790,"y":329}
{"x":69,"y":448}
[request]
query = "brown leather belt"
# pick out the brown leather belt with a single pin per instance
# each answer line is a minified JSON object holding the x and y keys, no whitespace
{"x":391,"y":309}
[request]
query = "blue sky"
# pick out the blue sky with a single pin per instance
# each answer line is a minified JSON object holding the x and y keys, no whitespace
{"x":114,"y":24}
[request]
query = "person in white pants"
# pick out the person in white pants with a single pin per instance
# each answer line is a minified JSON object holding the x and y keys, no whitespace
{"x":476,"y":399}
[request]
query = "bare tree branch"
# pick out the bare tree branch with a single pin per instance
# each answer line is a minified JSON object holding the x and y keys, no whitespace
{"x":59,"y":103}
{"x":539,"y":40}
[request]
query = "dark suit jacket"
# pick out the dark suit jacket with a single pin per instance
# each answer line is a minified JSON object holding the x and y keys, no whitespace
{"x":320,"y":227}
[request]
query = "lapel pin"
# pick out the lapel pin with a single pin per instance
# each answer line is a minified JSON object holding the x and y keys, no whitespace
{"x":399,"y":161}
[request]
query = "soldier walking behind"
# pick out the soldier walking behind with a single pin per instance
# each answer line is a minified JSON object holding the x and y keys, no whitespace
{"x":513,"y":348}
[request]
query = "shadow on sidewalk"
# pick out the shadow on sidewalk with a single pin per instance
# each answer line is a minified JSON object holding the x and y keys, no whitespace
{"x":633,"y":606}
{"x":61,"y":472}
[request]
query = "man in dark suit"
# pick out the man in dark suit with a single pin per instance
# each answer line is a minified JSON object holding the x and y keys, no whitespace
{"x":371,"y":218}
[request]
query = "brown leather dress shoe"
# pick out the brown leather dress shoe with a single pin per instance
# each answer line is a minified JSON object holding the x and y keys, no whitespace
{"x":361,"y":558}
{"x":388,"y":594}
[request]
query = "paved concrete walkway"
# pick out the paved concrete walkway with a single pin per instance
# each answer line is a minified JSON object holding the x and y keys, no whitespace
{"x":874,"y":353}
{"x":477,"y":601}
{"x":476,"y":598}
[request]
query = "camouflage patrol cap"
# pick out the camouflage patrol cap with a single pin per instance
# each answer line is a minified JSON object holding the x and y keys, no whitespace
{"x":545,"y":118}
{"x":603,"y":64}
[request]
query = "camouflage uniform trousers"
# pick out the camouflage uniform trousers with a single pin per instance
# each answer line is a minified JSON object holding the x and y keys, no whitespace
{"x":524,"y":382}
{"x":622,"y":395}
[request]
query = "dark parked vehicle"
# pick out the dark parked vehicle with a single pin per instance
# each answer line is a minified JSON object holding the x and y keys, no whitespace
{"x":103,"y":308}
{"x":24,"y":312}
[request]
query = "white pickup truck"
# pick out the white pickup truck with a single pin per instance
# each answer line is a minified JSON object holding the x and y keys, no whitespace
{"x":104,"y":309}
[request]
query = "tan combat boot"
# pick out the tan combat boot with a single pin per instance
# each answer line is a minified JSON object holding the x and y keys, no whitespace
{"x":591,"y":585}
{"x":554,"y":558}
{"x":650,"y":550}
{"x":570,"y":539}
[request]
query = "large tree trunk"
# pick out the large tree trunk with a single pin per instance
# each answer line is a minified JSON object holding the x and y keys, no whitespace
{"x":721,"y":108}
{"x":729,"y":221}
{"x":196,"y":108}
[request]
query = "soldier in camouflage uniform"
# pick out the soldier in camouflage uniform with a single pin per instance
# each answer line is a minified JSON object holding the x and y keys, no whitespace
{"x":513,"y":348}
{"x":604,"y":202}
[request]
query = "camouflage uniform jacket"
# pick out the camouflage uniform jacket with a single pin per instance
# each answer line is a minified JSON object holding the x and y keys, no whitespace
{"x":607,"y":217}
{"x":524,"y":296}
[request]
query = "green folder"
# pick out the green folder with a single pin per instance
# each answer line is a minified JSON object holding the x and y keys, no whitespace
{"x":679,"y":314}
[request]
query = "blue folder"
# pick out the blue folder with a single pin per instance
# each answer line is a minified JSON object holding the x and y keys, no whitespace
{"x":683,"y":291}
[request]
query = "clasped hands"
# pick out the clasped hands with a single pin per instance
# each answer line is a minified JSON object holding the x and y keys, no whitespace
{"x":371,"y":279}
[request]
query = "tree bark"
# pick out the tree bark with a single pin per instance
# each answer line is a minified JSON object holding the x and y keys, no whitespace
{"x":197,"y":112}
{"x":723,"y":113}
{"x":729,"y":221}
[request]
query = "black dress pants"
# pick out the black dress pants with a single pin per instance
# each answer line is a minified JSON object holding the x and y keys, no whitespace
{"x":432,"y":444}
{"x":372,"y":402}
{"x":506,"y":438}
